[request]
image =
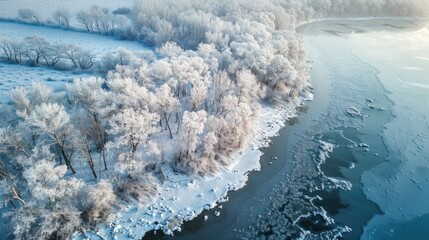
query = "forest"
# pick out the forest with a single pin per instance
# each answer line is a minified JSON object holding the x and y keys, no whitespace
{"x":71,"y":158}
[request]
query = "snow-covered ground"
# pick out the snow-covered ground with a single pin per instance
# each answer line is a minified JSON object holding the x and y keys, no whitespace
{"x":98,"y":44}
{"x":45,"y":8}
{"x":12,"y":75}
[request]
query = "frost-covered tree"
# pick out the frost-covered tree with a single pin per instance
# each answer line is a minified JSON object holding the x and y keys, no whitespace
{"x":52,"y":212}
{"x":208,"y":160}
{"x":234,"y":123}
{"x":169,"y":49}
{"x":62,"y":16}
{"x":189,"y":72}
{"x":27,"y":14}
{"x":248,"y":85}
{"x":85,"y":59}
{"x":35,"y":48}
{"x":127,"y":93}
{"x":25,"y":100}
{"x":85,"y":19}
{"x":99,"y":20}
{"x":9,"y":191}
{"x":51,"y":120}
{"x":198,"y":94}
{"x":97,"y":202}
{"x":13,"y":142}
{"x":89,"y":95}
{"x":7,"y":48}
{"x":191,"y":129}
{"x":166,"y":105}
{"x":120,"y":56}
{"x":132,"y":129}
{"x":78,"y":57}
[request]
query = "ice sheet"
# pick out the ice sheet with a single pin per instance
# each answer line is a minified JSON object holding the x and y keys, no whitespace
{"x":401,"y":185}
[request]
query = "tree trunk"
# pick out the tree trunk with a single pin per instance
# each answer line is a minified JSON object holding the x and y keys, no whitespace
{"x":103,"y":152}
{"x":168,"y":125}
{"x":89,"y":158}
{"x":59,"y":155}
{"x":13,"y":204}
{"x":66,"y":159}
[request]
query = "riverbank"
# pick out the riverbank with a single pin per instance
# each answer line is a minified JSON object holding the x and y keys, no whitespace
{"x":182,"y":198}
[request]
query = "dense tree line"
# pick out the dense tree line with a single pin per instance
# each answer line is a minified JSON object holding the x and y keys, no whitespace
{"x":67,"y":157}
{"x":158,"y":16}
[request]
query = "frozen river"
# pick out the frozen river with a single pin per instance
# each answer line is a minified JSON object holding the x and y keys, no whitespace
{"x":386,"y":64}
{"x":400,"y":186}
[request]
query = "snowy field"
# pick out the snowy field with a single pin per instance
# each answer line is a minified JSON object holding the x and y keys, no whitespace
{"x":97,"y":43}
{"x":45,"y":8}
{"x":12,"y":76}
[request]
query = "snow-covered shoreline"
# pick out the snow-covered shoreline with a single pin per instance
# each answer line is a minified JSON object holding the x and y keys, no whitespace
{"x":181,"y":198}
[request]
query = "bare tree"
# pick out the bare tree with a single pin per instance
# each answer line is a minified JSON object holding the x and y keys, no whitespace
{"x":52,"y":55}
{"x":85,"y":19}
{"x":62,"y":17}
{"x":85,"y":59}
{"x":71,"y":53}
{"x":5,"y":46}
{"x":35,"y":48}
{"x":86,"y":151}
{"x":28,"y":15}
